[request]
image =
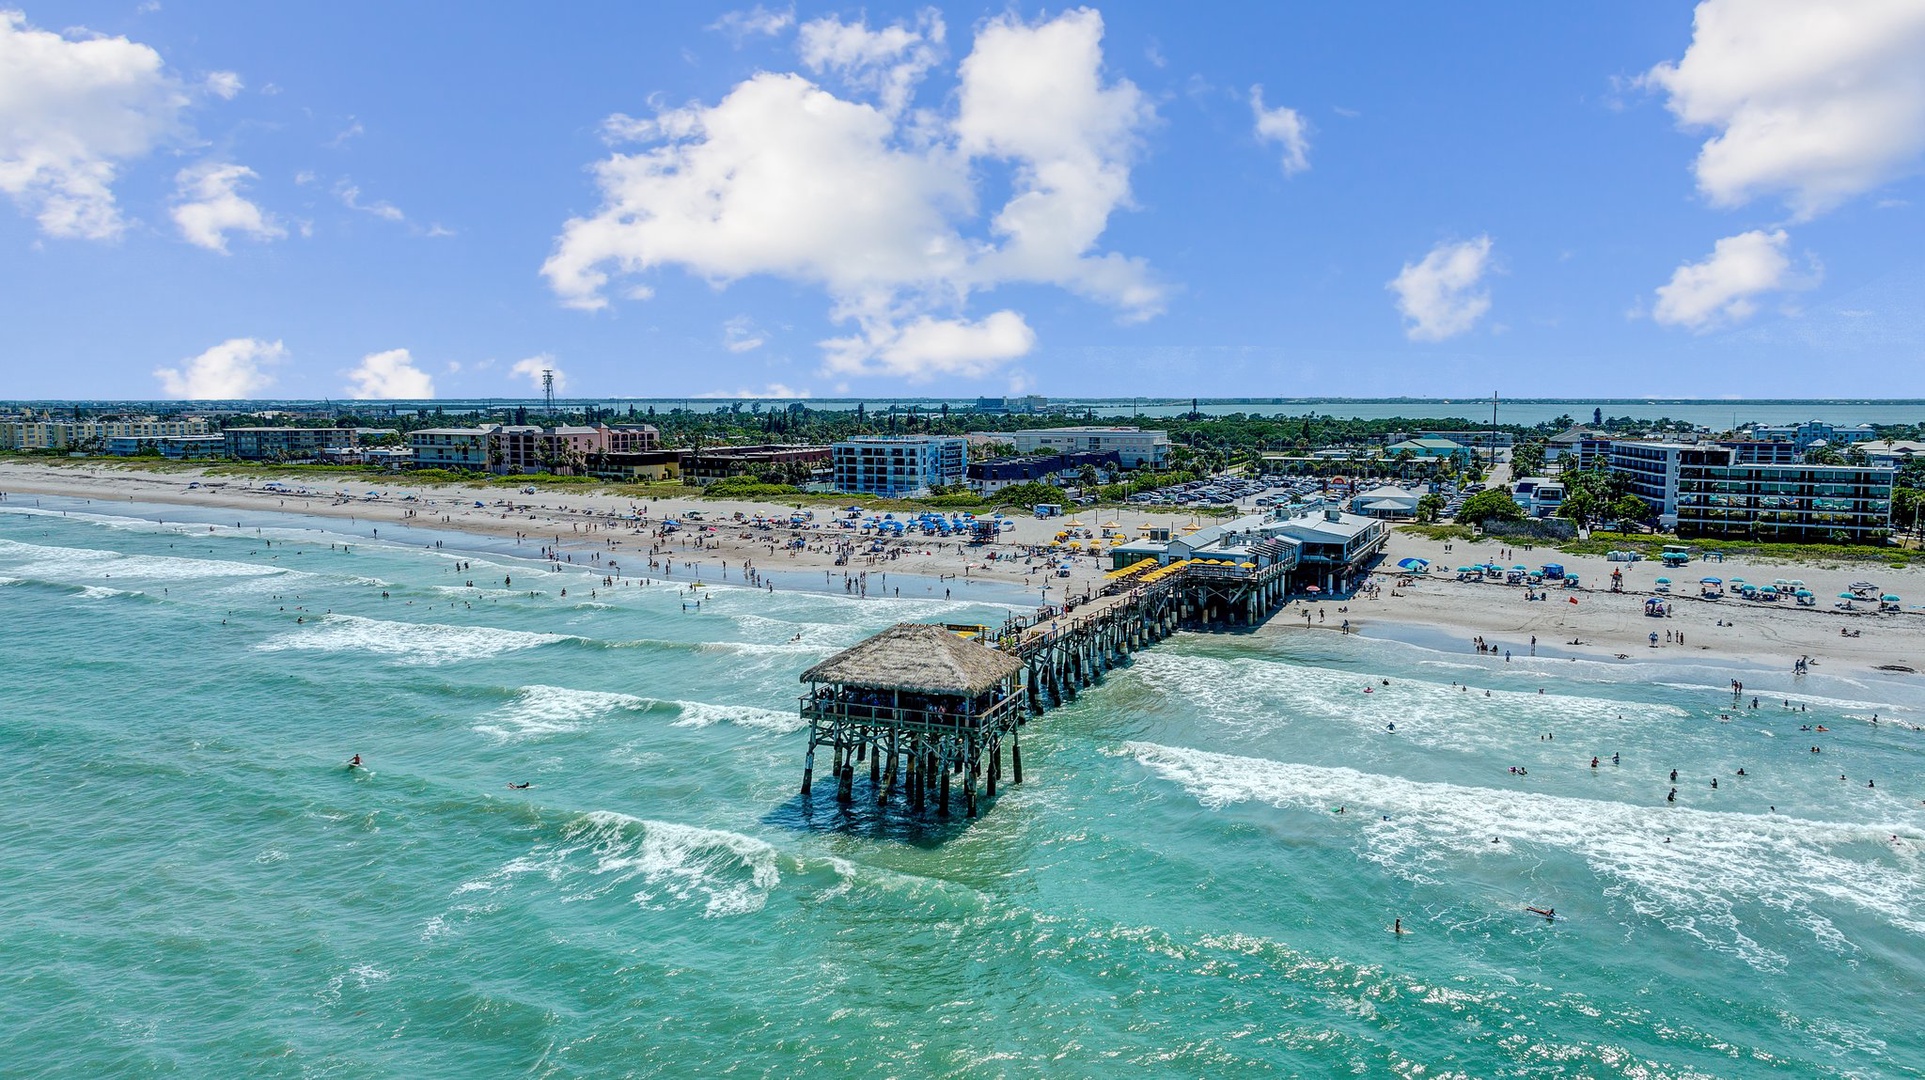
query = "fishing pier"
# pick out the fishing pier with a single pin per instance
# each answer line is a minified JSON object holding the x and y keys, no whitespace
{"x":928,"y":709}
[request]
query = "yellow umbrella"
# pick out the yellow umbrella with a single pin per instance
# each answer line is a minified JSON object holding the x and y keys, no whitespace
{"x":1192,"y":527}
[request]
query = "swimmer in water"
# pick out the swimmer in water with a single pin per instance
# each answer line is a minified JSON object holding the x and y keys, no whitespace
{"x":523,"y":786}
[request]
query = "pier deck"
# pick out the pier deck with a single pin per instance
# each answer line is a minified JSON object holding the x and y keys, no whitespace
{"x":922,"y":705}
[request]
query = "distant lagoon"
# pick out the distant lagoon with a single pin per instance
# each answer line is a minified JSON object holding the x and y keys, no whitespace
{"x":1713,"y":413}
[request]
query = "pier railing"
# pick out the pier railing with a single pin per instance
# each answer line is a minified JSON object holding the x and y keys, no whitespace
{"x":828,"y":709}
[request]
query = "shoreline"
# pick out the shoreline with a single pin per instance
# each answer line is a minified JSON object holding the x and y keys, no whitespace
{"x":1606,"y":625}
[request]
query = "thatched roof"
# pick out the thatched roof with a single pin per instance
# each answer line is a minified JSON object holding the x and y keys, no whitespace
{"x":919,"y":657}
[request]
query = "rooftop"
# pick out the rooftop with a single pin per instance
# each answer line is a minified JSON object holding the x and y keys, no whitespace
{"x":919,"y":657}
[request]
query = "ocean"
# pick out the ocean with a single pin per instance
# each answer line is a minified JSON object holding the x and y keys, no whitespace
{"x":1198,"y":877}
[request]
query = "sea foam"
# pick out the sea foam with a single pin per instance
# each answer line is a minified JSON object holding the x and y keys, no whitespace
{"x":1688,"y":869}
{"x":408,"y":643}
{"x":664,"y":863}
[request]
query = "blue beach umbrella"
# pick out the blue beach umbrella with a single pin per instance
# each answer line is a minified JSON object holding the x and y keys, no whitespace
{"x":1413,"y":564}
{"x":1710,"y":581}
{"x":1889,"y":598}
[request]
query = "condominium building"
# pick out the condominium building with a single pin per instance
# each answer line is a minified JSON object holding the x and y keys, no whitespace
{"x":169,"y":446}
{"x":1814,"y":431}
{"x":1708,"y":489}
{"x":285,"y":443}
{"x":90,"y":434}
{"x":898,"y":465}
{"x":1134,"y":447}
{"x":452,"y":447}
{"x":520,"y":448}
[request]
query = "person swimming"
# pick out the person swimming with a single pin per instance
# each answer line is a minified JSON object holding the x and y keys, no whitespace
{"x":523,"y":786}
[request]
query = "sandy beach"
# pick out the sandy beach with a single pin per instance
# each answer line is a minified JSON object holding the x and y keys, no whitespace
{"x":1599,"y":625}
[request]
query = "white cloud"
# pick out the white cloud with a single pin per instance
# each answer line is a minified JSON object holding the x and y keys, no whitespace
{"x":224,"y":84}
{"x":756,"y":20}
{"x":784,"y":178}
{"x":887,"y":62}
{"x":354,"y":130}
{"x":532,"y":367}
{"x":740,"y":335}
{"x":350,"y":196}
{"x":1723,"y":288}
{"x":1286,"y":127}
{"x":771,"y":390}
{"x":1819,"y":101}
{"x":228,"y":371}
{"x":208,"y":205}
{"x":927,"y":347}
{"x":1034,"y":95}
{"x":70,"y":112}
{"x":1440,"y":296}
{"x":390,"y":374}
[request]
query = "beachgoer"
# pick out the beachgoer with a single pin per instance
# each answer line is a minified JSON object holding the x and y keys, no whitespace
{"x":354,"y":762}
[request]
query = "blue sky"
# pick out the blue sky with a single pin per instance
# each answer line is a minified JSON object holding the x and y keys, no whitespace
{"x":399,"y":200}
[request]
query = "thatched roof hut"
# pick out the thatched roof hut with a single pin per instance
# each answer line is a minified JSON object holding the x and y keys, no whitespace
{"x":918,"y":657}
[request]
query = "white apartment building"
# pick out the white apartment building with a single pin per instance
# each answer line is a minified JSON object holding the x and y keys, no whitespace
{"x":1134,"y":447}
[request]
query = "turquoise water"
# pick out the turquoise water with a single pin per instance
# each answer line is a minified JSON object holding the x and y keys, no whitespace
{"x":196,"y":886}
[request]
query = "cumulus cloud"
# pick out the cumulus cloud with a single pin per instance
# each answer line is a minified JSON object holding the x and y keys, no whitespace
{"x":926,"y":347}
{"x":71,"y":111}
{"x":1285,"y":127}
{"x":1723,"y":288}
{"x":887,"y":62}
{"x":1816,"y":101}
{"x":208,"y":205}
{"x":532,"y":367}
{"x":228,"y":371}
{"x":1441,"y":297}
{"x":389,"y":374}
{"x":870,"y":201}
{"x":225,"y":85}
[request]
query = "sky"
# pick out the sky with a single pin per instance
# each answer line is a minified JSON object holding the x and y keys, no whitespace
{"x":359,"y":200}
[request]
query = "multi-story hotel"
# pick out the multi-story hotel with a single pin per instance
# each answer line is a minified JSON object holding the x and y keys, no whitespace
{"x":898,"y":465}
